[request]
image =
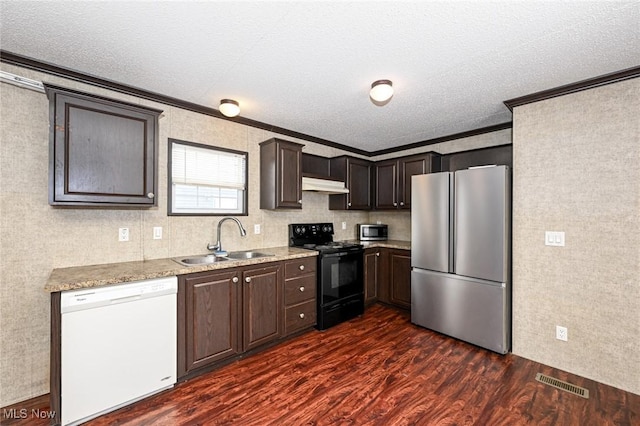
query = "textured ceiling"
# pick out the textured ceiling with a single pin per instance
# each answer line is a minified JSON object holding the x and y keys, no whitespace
{"x":307,"y":66}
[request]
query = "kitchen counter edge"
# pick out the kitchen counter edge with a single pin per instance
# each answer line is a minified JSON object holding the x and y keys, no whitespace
{"x":395,"y":244}
{"x":76,"y":277}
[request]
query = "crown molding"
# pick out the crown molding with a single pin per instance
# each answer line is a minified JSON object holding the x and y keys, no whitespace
{"x":590,"y":83}
{"x":70,"y":74}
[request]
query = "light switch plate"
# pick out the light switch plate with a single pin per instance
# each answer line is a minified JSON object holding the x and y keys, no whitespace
{"x":157,"y":232}
{"x":256,"y":228}
{"x":554,"y":238}
{"x":344,"y":225}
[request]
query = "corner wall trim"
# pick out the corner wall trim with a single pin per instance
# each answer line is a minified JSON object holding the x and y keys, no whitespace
{"x":591,"y":83}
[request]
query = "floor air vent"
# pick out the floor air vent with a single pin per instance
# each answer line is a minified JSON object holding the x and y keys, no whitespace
{"x":559,"y":384}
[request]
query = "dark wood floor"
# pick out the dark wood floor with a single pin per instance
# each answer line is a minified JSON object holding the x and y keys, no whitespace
{"x":379,"y":370}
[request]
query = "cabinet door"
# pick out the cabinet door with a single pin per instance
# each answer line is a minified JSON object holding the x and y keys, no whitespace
{"x":410,"y":166}
{"x":280,"y":175}
{"x":400,"y":278}
{"x":386,"y":184}
{"x":262,"y":305}
{"x":371,"y":275}
{"x":289,"y":175}
{"x":208,"y":325}
{"x":359,"y":184}
{"x":102,"y":152}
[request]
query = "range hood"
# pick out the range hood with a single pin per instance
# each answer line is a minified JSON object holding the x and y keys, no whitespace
{"x":326,"y":186}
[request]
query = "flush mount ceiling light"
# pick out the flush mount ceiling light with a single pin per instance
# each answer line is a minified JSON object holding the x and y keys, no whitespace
{"x":381,"y":92}
{"x":229,"y":107}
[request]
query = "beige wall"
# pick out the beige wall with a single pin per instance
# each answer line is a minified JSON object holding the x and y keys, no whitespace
{"x":36,"y":238}
{"x":577,"y":170}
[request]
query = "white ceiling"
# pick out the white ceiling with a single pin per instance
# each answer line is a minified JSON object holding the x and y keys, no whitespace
{"x":307,"y":65}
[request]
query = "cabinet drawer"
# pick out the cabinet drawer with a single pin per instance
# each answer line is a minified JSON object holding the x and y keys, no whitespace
{"x":299,"y":289}
{"x":300,"y":316}
{"x":297,"y":267}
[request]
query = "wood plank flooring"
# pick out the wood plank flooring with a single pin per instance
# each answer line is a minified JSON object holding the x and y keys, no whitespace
{"x":379,"y":370}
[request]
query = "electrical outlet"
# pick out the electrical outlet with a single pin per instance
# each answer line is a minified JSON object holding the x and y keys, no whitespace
{"x":562,"y":333}
{"x":344,"y":225}
{"x":256,"y":228}
{"x":157,"y":232}
{"x":123,"y":234}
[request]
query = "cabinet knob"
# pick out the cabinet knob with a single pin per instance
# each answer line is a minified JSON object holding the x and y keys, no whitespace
{"x":395,"y":204}
{"x":348,"y":204}
{"x":299,"y":201}
{"x":302,"y":315}
{"x":151,"y":195}
{"x":234,"y":280}
{"x":378,"y":254}
{"x":301,"y":267}
{"x":301,"y":288}
{"x":248,"y":279}
{"x":402,"y":203}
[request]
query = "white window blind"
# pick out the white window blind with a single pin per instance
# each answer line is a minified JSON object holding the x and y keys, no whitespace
{"x":207,"y":180}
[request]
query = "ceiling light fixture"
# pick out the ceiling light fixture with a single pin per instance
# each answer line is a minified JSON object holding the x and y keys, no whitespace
{"x":229,"y":107}
{"x":381,"y":92}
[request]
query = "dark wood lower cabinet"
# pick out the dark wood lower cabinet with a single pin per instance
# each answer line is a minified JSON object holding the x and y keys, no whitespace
{"x":400,"y":278}
{"x":389,"y":275}
{"x":225,"y":313}
{"x":208,"y":320}
{"x":371,"y":275}
{"x":262,"y":305}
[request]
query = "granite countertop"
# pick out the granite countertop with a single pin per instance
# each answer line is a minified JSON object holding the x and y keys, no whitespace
{"x":396,"y":244}
{"x":62,"y":279}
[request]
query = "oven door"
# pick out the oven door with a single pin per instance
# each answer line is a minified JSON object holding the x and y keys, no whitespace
{"x":340,"y":276}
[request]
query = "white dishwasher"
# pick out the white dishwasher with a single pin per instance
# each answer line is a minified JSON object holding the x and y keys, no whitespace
{"x":118,"y":346}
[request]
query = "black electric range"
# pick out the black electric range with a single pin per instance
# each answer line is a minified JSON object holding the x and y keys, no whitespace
{"x":340,"y":284}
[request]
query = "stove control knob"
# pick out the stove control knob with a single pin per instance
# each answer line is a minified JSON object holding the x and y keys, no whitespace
{"x":301,"y":267}
{"x":301,"y":289}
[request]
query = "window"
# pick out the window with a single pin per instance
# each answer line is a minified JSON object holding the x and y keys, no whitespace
{"x":206,"y":180}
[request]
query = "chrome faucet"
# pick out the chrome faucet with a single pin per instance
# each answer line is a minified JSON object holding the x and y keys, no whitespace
{"x":218,"y":245}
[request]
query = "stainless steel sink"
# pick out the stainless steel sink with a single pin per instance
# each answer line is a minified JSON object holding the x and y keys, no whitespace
{"x":205,"y":259}
{"x":240,"y":255}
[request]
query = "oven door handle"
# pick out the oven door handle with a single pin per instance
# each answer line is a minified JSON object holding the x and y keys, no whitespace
{"x":337,"y":254}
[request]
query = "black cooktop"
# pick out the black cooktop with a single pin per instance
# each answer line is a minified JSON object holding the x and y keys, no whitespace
{"x":318,"y":236}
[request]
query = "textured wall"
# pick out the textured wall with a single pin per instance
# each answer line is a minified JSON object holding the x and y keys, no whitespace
{"x":577,"y":170}
{"x":36,"y":238}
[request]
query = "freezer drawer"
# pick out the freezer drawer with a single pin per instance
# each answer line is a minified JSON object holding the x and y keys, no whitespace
{"x":472,"y":310}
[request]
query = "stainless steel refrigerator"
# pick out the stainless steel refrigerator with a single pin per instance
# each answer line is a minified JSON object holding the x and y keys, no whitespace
{"x":461,"y":255}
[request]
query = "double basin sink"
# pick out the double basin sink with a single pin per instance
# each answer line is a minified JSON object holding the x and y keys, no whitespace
{"x":207,"y":259}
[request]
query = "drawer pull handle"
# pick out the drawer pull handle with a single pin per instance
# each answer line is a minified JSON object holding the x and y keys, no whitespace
{"x":248,"y":279}
{"x":301,"y":267}
{"x":234,"y":279}
{"x":301,"y":288}
{"x":302,"y":316}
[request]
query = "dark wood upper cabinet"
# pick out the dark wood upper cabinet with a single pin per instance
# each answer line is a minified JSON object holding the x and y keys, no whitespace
{"x":103,"y":153}
{"x":499,"y":155}
{"x":393,"y":179}
{"x":357,"y":176}
{"x":280,"y":175}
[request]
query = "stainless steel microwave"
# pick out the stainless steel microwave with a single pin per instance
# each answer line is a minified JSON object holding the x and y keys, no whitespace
{"x":371,"y":232}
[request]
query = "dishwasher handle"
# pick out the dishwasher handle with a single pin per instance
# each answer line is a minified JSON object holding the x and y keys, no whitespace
{"x":79,"y":300}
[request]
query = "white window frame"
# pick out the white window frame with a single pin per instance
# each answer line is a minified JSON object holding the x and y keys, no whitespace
{"x":182,"y":179}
